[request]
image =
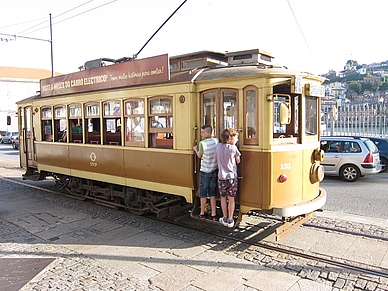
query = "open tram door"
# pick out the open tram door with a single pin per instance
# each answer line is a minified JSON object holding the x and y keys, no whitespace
{"x":218,"y":108}
{"x":26,"y":138}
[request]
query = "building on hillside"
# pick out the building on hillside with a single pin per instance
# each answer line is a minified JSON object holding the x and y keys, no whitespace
{"x":17,"y":84}
{"x":336,"y":90}
{"x":372,"y":79}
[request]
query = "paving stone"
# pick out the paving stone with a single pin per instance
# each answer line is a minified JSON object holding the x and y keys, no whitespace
{"x":176,"y":278}
{"x":367,"y":251}
{"x":270,"y":280}
{"x":339,"y":283}
{"x":308,"y":285}
{"x":219,"y":280}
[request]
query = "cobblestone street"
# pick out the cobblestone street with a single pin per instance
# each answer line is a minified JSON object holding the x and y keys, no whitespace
{"x":78,"y":245}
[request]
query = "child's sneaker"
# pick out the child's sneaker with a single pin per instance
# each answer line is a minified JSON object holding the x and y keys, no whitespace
{"x":224,"y":221}
{"x":230,"y":223}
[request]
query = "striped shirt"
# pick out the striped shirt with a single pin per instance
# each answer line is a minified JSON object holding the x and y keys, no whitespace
{"x":207,"y":148}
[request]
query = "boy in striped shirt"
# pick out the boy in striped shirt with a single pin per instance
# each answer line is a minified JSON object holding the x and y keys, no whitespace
{"x":208,"y":171}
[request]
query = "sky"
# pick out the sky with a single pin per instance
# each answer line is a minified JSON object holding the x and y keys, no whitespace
{"x":309,"y":35}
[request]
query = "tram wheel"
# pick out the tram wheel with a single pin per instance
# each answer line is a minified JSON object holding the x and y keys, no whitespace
{"x":350,"y":173}
{"x":132,"y":203}
{"x":86,"y":191}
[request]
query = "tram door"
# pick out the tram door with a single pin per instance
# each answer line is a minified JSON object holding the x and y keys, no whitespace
{"x":219,"y":108}
{"x":26,"y":137}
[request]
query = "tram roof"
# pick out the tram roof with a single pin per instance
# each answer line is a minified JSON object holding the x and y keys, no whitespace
{"x":221,"y":72}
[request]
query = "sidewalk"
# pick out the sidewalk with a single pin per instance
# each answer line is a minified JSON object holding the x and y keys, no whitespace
{"x":52,"y":245}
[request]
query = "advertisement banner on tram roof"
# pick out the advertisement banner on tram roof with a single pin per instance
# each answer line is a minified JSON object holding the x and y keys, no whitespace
{"x":135,"y":72}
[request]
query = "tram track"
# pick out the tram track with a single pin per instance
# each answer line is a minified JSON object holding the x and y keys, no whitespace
{"x":249,"y":241}
{"x":333,"y":229}
{"x":252,"y":235}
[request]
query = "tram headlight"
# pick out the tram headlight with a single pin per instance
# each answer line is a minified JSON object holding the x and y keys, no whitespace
{"x":316,"y":173}
{"x":319,"y":155}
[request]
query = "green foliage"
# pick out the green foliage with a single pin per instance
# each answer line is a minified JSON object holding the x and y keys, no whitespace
{"x":366,"y":87}
{"x":351,"y":65}
{"x":356,"y":87}
{"x":383,"y":86}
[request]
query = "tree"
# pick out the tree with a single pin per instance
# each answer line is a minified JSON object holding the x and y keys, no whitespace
{"x":356,"y":87}
{"x":332,"y":76}
{"x":366,"y":87}
{"x":351,"y":65}
{"x":384,"y":86}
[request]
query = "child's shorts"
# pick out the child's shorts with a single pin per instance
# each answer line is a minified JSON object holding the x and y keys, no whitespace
{"x":208,"y":183}
{"x":228,"y":187}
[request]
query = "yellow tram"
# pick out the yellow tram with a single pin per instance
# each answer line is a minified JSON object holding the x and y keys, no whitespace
{"x":123,"y":132}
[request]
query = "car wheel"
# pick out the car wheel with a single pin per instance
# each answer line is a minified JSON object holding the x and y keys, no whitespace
{"x":383,"y":163}
{"x":349,"y":173}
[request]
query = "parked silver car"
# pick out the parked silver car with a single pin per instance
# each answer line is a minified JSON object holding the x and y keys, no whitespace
{"x":9,"y":136}
{"x":349,"y":157}
{"x":15,"y":143}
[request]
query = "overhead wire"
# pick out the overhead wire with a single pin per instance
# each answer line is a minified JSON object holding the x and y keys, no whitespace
{"x":301,"y":31}
{"x":53,"y":18}
{"x":86,"y":11}
{"x":18,"y":35}
{"x":24,"y":22}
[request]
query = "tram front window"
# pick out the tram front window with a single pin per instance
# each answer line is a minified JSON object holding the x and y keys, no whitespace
{"x":278,"y":127}
{"x":286,"y":116}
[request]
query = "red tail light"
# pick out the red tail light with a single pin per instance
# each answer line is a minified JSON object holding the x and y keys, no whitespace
{"x":368,"y":158}
{"x":282,"y":178}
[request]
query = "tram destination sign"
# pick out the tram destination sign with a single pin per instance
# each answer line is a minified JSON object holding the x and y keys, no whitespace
{"x":136,"y":72}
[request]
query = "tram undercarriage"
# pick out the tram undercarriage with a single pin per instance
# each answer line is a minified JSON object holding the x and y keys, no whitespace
{"x":136,"y":201}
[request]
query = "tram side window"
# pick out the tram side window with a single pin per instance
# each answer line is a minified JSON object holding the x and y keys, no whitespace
{"x":92,"y":123}
{"x":75,"y":117}
{"x":47,"y":127}
{"x":230,"y":110}
{"x":112,"y":123}
{"x":220,"y":109}
{"x":311,"y":116}
{"x":134,"y":122}
{"x":60,"y":124}
{"x":76,"y":130}
{"x":251,"y":116}
{"x":60,"y":133}
{"x":209,"y":110}
{"x":160,"y":122}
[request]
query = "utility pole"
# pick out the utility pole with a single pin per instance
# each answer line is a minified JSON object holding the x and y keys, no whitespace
{"x":51,"y":43}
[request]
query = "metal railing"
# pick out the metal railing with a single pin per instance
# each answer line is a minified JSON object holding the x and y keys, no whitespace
{"x":359,"y":119}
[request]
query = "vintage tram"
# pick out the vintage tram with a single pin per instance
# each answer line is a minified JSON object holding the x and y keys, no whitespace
{"x":122,"y":131}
